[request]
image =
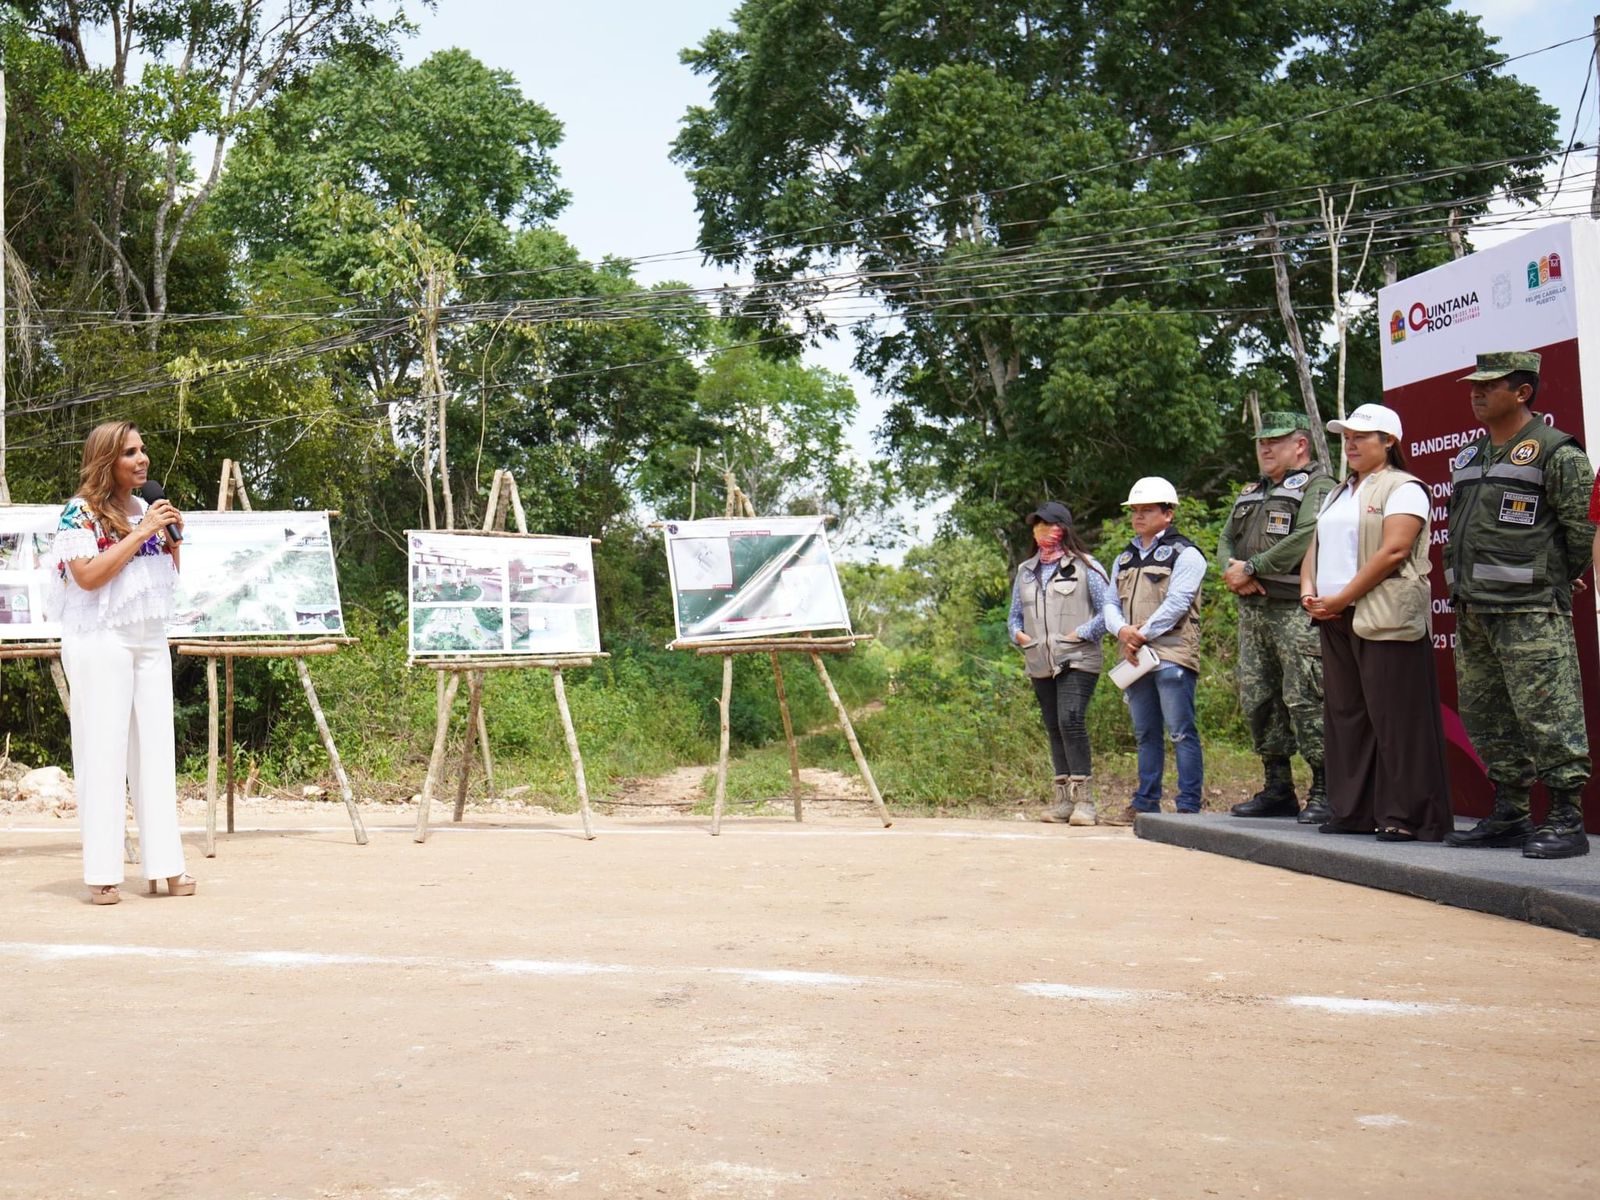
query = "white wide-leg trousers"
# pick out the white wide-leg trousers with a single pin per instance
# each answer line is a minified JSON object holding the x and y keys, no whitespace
{"x":122,"y":744}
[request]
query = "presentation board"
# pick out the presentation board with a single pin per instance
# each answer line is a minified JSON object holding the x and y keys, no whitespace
{"x":753,"y":577}
{"x":501,"y":595}
{"x":243,"y":574}
{"x":1539,"y":291}
{"x":26,"y":532}
{"x":256,"y":574}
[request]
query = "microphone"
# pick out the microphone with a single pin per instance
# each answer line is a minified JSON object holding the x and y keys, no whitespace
{"x":150,"y":493}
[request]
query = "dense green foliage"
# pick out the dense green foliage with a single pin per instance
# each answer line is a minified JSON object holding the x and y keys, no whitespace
{"x":1063,"y":205}
{"x":356,"y":293}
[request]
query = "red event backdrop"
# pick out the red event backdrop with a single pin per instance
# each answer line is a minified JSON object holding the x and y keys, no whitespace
{"x":1537,"y":292}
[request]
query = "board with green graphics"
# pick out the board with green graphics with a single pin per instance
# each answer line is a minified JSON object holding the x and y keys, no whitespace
{"x":244,"y":574}
{"x":753,"y":577}
{"x":501,"y":595}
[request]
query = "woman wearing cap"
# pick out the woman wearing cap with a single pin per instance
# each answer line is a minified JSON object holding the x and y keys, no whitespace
{"x":1056,"y":619}
{"x":1365,"y":582}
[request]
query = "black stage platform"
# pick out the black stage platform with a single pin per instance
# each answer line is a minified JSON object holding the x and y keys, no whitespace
{"x":1562,"y":893}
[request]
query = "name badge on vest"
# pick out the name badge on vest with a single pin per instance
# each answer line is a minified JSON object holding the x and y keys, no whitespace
{"x":1279,"y":523}
{"x":1518,"y":508}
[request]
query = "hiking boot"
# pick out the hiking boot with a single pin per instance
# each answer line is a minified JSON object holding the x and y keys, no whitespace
{"x":1083,"y":808}
{"x":1561,"y":834}
{"x":1277,"y":798}
{"x":1317,"y":809}
{"x":1507,"y":825}
{"x":1061,"y":813}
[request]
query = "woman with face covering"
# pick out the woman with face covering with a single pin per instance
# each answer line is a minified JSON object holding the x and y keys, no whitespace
{"x":1056,"y":621}
{"x":118,"y":566}
{"x":1365,"y":582}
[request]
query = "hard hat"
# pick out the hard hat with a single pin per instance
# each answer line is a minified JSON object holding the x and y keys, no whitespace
{"x":1152,"y":489}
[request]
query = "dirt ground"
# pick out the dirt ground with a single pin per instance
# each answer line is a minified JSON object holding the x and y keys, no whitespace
{"x":942,"y":1009}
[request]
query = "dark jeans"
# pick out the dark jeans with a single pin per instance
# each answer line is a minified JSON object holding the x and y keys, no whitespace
{"x":1064,"y":705}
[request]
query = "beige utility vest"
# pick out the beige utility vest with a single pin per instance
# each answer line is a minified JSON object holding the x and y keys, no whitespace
{"x":1399,"y":608}
{"x":1051,"y":612}
{"x":1143,"y":577}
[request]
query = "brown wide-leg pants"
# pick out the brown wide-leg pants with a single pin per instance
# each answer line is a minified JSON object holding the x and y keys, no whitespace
{"x":1384,"y":742}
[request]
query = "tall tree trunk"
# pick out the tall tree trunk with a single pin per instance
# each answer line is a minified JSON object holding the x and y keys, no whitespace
{"x":1297,"y":345}
{"x":433,"y":291}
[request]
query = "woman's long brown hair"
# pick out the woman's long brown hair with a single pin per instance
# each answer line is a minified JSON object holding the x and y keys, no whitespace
{"x":1076,"y":548}
{"x":97,"y":482}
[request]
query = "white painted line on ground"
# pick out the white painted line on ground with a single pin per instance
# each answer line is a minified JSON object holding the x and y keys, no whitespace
{"x":62,"y":952}
{"x":1104,"y":995}
{"x":529,"y":966}
{"x":1348,"y":1004}
{"x":696,"y":830}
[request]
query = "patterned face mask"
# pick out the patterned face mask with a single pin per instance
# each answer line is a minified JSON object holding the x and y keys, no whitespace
{"x":1048,"y":538}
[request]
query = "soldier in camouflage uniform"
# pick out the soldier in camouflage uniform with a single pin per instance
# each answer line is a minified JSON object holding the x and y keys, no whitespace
{"x":1280,"y":652}
{"x":1519,"y":536}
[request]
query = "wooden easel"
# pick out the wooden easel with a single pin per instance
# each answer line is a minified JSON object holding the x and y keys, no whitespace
{"x":227,"y":649}
{"x":505,"y":503}
{"x":739,"y":505}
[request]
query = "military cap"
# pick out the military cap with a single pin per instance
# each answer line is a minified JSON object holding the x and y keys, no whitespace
{"x":1501,"y":363}
{"x":1282,"y":424}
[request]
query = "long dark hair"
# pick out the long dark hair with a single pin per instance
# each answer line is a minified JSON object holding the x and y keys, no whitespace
{"x":1397,"y":460}
{"x":1075,"y":548}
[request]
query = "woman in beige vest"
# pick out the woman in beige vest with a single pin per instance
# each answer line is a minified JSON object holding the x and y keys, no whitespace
{"x":1365,"y":582}
{"x":1056,"y":622}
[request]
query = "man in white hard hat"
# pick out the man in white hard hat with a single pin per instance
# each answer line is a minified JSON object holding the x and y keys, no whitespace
{"x":1155,"y":601}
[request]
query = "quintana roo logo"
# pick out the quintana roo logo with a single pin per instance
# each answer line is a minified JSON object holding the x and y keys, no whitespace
{"x":1397,"y":327}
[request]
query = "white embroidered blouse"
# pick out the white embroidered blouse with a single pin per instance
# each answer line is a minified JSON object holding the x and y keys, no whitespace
{"x":141,"y":591}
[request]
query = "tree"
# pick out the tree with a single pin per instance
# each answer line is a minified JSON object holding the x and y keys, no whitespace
{"x":1046,"y":197}
{"x":779,"y":427}
{"x":211,"y":64}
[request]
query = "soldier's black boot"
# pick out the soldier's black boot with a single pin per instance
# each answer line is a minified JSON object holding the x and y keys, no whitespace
{"x":1508,"y":825}
{"x":1561,"y":835}
{"x":1277,"y":799}
{"x":1316,"y":810}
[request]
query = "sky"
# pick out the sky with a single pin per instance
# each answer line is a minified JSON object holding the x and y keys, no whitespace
{"x":611,"y":73}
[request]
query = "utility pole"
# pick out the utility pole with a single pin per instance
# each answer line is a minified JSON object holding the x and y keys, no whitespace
{"x":1594,"y":193}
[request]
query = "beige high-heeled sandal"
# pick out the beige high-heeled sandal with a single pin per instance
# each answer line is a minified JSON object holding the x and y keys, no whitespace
{"x":104,"y":893}
{"x":177,"y":885}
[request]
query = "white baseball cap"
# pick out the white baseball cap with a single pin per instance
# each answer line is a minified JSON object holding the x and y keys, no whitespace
{"x":1152,"y":489}
{"x":1369,"y":418}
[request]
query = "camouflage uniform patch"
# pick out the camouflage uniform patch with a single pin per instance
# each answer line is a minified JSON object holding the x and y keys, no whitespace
{"x":1280,"y":680}
{"x":1521,"y":699}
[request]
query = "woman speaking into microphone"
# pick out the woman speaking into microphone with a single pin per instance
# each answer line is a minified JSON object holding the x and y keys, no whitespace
{"x":117,"y":558}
